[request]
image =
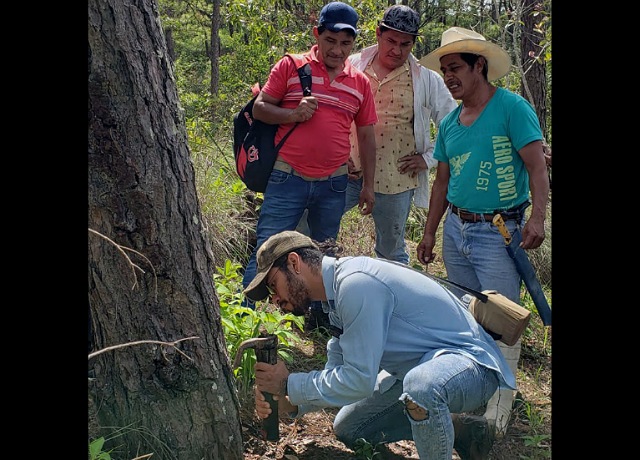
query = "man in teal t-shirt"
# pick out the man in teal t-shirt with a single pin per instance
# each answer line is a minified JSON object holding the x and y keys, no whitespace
{"x":490,"y":160}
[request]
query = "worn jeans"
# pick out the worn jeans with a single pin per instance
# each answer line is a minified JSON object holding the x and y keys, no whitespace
{"x":449,"y":383}
{"x":475,"y":256}
{"x":285,"y":200}
{"x":390,"y":214}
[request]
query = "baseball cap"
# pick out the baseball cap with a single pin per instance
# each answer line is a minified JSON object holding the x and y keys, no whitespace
{"x":402,"y":19}
{"x":271,"y":250}
{"x":337,"y":16}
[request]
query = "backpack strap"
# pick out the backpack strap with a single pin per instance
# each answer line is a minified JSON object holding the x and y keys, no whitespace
{"x":298,"y":59}
{"x":304,"y":73}
{"x":301,"y":62}
{"x":477,"y":294}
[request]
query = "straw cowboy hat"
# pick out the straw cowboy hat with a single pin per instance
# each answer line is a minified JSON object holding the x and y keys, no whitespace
{"x":461,"y":40}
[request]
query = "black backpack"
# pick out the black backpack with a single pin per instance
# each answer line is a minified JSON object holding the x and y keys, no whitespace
{"x":253,"y":140}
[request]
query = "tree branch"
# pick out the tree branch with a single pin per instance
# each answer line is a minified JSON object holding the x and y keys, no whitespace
{"x":121,"y":249}
{"x":139,"y":342}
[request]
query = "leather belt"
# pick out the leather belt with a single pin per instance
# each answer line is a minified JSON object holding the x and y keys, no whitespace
{"x":515,"y":213}
{"x":283,"y":166}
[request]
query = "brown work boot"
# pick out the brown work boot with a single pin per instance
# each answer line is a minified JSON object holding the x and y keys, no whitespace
{"x":473,"y":436}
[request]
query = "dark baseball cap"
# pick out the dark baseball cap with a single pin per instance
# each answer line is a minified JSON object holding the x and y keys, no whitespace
{"x":337,"y":16}
{"x":271,"y":250}
{"x":402,"y":19}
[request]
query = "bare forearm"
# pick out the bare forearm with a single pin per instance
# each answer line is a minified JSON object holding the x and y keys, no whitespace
{"x":539,"y":186}
{"x":267,"y":110}
{"x":367,"y":148}
{"x":272,"y":114}
{"x":437,"y":204}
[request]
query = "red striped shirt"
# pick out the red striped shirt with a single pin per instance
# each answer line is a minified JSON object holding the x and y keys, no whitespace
{"x":321,"y":145}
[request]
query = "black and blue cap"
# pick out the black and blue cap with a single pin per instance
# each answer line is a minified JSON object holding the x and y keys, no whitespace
{"x":402,"y":19}
{"x":337,"y":16}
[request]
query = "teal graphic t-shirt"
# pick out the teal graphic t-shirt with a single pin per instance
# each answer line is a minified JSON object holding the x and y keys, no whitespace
{"x":486,"y":170}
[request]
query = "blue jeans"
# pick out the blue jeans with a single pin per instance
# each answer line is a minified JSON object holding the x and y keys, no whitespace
{"x":475,"y":256}
{"x":390,"y":214}
{"x":449,"y":383}
{"x":285,"y":200}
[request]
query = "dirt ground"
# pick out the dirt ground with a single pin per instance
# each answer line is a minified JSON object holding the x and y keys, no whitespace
{"x":311,"y":437}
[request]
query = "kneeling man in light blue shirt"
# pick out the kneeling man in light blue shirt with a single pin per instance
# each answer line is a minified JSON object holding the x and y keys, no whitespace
{"x":406,"y":353}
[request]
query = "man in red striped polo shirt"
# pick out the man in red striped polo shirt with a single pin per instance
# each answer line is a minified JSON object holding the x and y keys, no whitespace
{"x":311,"y":170}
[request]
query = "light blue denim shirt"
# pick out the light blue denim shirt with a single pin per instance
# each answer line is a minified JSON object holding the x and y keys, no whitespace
{"x":392,"y":318}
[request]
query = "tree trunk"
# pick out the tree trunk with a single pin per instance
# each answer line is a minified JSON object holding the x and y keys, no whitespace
{"x":214,"y":53}
{"x":535,"y":69}
{"x":175,"y":402}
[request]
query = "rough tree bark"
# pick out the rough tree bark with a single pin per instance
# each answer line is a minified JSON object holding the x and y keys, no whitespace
{"x":178,"y":403}
{"x":214,"y":49}
{"x":535,"y":69}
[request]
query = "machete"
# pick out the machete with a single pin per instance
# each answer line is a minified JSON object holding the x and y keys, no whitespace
{"x":525,"y":269}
